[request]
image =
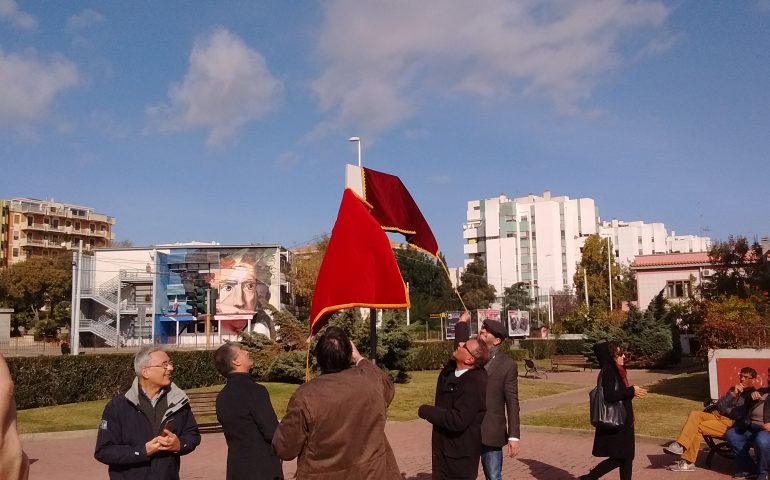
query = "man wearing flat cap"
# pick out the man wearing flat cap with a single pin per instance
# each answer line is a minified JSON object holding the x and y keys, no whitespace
{"x":500,"y":427}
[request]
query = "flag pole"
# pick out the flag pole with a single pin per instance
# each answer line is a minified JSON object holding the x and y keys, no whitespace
{"x":372,"y":311}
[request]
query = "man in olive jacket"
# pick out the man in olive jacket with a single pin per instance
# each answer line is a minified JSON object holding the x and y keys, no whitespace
{"x":335,"y":423}
{"x":247,"y":417}
{"x":501,"y":422}
{"x":459,"y":409}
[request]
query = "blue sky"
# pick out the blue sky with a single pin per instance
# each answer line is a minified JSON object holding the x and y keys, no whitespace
{"x":229,"y":120}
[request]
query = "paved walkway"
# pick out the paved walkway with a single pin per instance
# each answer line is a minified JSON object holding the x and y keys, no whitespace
{"x":547,"y":453}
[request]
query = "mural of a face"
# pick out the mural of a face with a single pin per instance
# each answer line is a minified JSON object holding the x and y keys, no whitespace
{"x":237,"y":288}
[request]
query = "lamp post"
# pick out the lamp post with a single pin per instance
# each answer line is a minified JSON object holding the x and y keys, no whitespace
{"x":358,"y":141}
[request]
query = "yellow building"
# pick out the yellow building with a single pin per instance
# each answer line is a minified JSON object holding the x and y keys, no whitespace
{"x":33,"y":228}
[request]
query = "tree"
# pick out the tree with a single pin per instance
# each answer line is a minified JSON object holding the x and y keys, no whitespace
{"x":36,"y":283}
{"x":304,"y":272}
{"x":740,"y":270}
{"x":474,"y":289}
{"x":516,"y":297}
{"x":594,"y":262}
{"x":430,"y":290}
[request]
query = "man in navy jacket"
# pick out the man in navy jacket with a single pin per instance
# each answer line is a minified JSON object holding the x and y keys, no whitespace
{"x":144,"y":432}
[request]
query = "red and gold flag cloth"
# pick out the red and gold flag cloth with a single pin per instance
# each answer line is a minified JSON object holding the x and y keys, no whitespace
{"x":358,"y":268}
{"x":395,"y":209}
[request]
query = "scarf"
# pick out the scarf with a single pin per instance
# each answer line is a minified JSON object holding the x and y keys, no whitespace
{"x":623,"y":375}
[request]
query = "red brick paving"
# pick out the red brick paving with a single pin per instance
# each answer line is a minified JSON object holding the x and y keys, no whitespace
{"x":547,"y":454}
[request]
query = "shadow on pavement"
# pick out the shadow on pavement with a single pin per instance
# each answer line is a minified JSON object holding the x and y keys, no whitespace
{"x":542,"y":470}
{"x":691,"y":387}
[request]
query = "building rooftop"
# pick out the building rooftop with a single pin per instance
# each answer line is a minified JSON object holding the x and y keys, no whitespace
{"x":670,"y":259}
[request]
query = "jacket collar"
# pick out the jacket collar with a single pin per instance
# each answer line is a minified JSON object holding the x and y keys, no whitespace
{"x":174,"y":395}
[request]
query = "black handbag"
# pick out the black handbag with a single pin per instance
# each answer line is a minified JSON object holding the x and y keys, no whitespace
{"x":605,"y":415}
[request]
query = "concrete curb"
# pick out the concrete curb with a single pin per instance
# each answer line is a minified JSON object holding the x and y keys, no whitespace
{"x":67,"y":435}
{"x":588,"y":433}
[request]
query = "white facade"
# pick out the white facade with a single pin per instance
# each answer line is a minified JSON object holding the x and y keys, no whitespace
{"x":533,"y":239}
{"x":631,"y":239}
{"x":537,"y":240}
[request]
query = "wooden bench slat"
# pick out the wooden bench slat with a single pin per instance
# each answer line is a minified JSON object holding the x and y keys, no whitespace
{"x":204,"y":404}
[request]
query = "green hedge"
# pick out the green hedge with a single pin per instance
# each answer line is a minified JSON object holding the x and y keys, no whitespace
{"x":44,"y":381}
{"x":540,"y":348}
{"x":434,"y":355}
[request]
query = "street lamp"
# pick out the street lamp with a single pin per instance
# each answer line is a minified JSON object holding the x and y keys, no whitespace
{"x":358,"y":141}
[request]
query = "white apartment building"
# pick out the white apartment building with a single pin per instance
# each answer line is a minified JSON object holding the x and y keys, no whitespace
{"x":533,"y":239}
{"x":537,"y":240}
{"x":631,"y":239}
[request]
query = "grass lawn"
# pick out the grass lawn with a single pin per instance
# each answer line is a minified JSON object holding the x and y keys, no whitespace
{"x":409,"y":396}
{"x":661,"y":413}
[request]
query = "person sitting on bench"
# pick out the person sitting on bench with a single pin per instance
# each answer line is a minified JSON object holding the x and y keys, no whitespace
{"x":714,"y":423}
{"x":754,"y":427}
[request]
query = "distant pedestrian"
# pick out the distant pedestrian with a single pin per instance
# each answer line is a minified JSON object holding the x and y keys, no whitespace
{"x":247,"y":417}
{"x":14,"y":464}
{"x":335,"y":423}
{"x":144,"y":431}
{"x":618,"y":445}
{"x":459,"y":408}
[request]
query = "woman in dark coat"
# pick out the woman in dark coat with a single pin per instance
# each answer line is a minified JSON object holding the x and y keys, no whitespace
{"x":618,"y":445}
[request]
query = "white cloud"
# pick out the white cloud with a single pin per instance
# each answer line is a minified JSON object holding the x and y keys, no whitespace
{"x":226,"y":86}
{"x":381,"y":57}
{"x":85,"y":19}
{"x":10,"y":11}
{"x":28,"y":86}
{"x":417,"y":133}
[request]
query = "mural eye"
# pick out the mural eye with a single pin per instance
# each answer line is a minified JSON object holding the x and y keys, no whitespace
{"x":250,"y":287}
{"x":226,"y":288}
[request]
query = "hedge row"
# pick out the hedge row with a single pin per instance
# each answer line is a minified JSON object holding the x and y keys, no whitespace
{"x":46,"y":380}
{"x":547,"y":347}
{"x":43,"y":381}
{"x":433,"y":355}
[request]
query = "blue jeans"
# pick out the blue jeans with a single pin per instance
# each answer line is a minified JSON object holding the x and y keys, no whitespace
{"x":739,"y":439}
{"x":762,"y":449}
{"x":492,"y":462}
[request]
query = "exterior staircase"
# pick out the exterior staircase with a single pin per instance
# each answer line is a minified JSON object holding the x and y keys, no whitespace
{"x":102,"y":327}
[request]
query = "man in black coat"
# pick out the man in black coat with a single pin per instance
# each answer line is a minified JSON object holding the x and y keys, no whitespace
{"x":247,"y":418}
{"x":459,"y":409}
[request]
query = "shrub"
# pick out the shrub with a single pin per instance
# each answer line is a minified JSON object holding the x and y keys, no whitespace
{"x":429,"y":355}
{"x":44,"y":381}
{"x":288,"y":367}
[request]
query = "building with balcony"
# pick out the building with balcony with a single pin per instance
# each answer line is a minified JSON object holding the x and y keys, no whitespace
{"x":137,"y":295}
{"x":30,"y":228}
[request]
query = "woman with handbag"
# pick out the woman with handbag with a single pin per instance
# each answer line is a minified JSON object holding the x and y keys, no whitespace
{"x":615,"y":442}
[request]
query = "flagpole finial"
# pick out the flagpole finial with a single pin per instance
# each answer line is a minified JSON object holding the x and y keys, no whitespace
{"x":358,"y":141}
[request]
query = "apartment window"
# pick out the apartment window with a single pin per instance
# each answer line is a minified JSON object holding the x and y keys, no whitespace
{"x":92,"y":227}
{"x":16,"y":219}
{"x":524,"y":250}
{"x":641,"y":252}
{"x":68,"y":223}
{"x":104,"y":228}
{"x":91,"y":241}
{"x":525,"y":268}
{"x":55,"y":223}
{"x":77,"y":225}
{"x":511,"y":235}
{"x":524,"y":218}
{"x":52,"y":209}
{"x":679,"y":288}
{"x":639,"y":240}
{"x":15,"y":234}
{"x":477,"y":207}
{"x":15,"y":252}
{"x":534,"y":235}
{"x":45,"y":238}
{"x":30,"y":221}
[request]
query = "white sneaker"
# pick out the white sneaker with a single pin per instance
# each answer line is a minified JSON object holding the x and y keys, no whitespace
{"x":681,"y":466}
{"x":674,"y":448}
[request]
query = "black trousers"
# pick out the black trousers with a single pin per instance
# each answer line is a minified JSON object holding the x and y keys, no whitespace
{"x":625,"y":465}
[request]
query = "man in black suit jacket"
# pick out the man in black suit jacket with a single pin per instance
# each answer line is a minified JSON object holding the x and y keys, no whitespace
{"x":459,"y":409}
{"x":247,"y":418}
{"x":501,"y":422}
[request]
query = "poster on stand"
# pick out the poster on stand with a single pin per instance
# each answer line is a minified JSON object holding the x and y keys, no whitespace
{"x":518,"y":323}
{"x":484,"y":315}
{"x":451,"y":321}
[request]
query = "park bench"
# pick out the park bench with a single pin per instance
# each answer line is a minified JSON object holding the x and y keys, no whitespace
{"x":578,"y":361}
{"x":534,"y":370}
{"x":716,"y":445}
{"x":204,"y":404}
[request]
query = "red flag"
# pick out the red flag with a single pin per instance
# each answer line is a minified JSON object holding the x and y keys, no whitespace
{"x":358,"y":268}
{"x":395,"y":209}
